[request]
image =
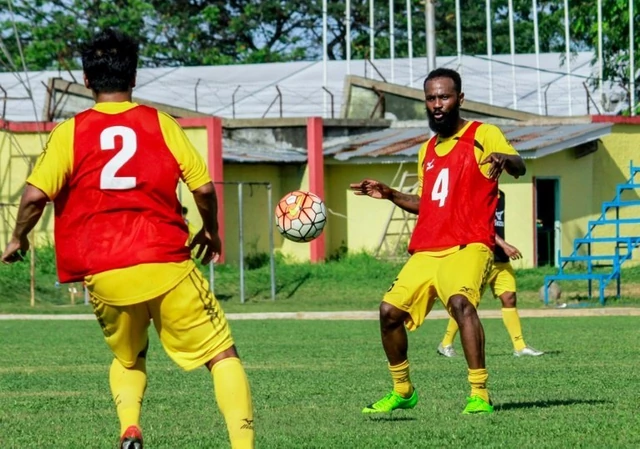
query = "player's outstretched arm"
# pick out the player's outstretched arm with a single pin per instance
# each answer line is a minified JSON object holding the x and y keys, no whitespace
{"x":32,"y":206}
{"x":511,"y":163}
{"x":207,"y":239}
{"x":511,"y":251}
{"x":378,"y":190}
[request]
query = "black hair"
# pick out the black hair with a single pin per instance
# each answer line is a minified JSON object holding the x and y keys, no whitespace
{"x":445,"y":73}
{"x":109,"y":61}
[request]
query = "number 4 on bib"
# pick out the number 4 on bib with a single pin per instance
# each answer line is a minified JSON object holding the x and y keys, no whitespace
{"x":441,"y":187}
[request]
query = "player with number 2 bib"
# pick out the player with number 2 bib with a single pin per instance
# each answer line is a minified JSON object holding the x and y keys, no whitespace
{"x":452,"y":244}
{"x":112,"y":173}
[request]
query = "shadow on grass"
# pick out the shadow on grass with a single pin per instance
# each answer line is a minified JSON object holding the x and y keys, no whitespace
{"x":547,"y":404}
{"x":385,"y":418}
{"x":296,"y":284}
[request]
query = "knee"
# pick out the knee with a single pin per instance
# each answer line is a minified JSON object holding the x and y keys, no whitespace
{"x":232,"y":352}
{"x":508,"y":300}
{"x":391,"y":316}
{"x":460,"y":307}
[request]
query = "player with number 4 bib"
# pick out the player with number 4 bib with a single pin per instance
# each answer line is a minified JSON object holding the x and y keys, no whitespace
{"x":452,"y":244}
{"x":112,"y":172}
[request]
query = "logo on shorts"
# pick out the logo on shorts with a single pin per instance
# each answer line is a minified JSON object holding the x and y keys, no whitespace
{"x":248,"y":424}
{"x":392,"y":285}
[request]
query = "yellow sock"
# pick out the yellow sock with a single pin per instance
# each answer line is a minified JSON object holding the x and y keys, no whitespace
{"x":478,"y":380}
{"x":234,"y":400}
{"x":511,"y":321}
{"x":127,"y":387}
{"x":401,"y":381}
{"x":450,"y":334}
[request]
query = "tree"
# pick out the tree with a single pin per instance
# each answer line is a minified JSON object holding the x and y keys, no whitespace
{"x":208,"y":32}
{"x":180,"y":32}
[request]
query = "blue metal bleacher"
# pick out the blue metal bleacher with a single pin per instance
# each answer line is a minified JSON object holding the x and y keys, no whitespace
{"x":623,"y":245}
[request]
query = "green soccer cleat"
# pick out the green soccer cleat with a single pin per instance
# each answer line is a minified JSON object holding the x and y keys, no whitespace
{"x":476,"y":406}
{"x":391,"y":402}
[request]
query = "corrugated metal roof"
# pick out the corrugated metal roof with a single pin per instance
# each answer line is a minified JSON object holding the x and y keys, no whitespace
{"x":248,"y":152}
{"x":249,"y":91}
{"x":531,"y":141}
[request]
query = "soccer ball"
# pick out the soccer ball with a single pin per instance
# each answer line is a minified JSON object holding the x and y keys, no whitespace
{"x":300,"y":216}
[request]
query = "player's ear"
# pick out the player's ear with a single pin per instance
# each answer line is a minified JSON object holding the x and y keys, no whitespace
{"x":86,"y":81}
{"x":461,"y":98}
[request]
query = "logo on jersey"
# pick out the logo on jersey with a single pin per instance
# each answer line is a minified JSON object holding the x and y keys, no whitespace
{"x":499,"y":219}
{"x":429,"y":165}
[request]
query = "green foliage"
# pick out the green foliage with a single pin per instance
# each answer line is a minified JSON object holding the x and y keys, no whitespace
{"x":186,"y":33}
{"x":310,"y":379}
{"x":346,"y":282}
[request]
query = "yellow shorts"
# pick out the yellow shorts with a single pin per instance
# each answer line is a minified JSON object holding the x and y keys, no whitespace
{"x":188,"y":319}
{"x":426,"y":277}
{"x":502,"y":279}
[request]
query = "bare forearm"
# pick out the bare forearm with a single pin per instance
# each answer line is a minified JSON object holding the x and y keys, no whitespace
{"x":500,"y":242}
{"x":32,"y":206}
{"x":515,"y":166}
{"x":406,"y":201}
{"x":207,"y":203}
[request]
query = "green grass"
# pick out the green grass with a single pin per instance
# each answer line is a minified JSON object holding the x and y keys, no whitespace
{"x":311,"y":379}
{"x":355,"y":282}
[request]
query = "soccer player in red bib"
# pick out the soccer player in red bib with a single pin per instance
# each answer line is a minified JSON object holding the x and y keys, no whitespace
{"x":112,"y":172}
{"x":452,"y":244}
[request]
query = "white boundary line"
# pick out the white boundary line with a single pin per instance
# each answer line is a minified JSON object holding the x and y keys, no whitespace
{"x":360,"y":315}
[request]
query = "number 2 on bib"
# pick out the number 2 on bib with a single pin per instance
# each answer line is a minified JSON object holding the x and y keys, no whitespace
{"x":441,"y":187}
{"x":108,"y":178}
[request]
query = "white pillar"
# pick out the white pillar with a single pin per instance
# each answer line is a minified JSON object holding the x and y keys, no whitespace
{"x":632,"y":62}
{"x":489,"y":49}
{"x":536,"y":39}
{"x":392,"y":40}
{"x":347,"y":14}
{"x":410,"y":42}
{"x":324,"y":55}
{"x":458,"y":35}
{"x":567,"y":44}
{"x":512,"y":45}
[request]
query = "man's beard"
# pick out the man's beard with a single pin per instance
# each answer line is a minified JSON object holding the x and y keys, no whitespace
{"x":447,"y":125}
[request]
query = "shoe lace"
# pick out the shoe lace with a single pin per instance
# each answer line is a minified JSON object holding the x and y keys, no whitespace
{"x":389,"y":399}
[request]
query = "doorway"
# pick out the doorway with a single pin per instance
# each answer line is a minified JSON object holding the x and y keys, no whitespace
{"x":548,"y":238}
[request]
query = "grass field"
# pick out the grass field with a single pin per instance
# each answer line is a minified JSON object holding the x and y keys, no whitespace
{"x":311,"y":379}
{"x":355,"y":282}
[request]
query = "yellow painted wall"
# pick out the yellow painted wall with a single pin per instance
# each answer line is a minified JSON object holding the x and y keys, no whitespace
{"x":257,"y":217}
{"x":611,"y":167}
{"x":366,"y":218}
{"x":576,"y":205}
{"x":17,"y":153}
{"x":359,"y":222}
{"x":519,"y":217}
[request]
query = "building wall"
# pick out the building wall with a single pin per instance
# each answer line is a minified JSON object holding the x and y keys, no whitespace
{"x":18,"y":152}
{"x":575,"y":192}
{"x":357,"y":222}
{"x":519,"y":216}
{"x":611,"y":167}
{"x":366,"y":218}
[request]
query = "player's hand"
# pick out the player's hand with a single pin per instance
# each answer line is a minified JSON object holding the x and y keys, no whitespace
{"x":372,"y":188}
{"x":15,"y":251}
{"x":498,"y":162}
{"x":512,"y":252}
{"x":209,"y":246}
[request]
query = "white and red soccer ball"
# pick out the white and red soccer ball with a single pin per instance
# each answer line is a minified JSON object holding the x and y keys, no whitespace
{"x":301,"y":216}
